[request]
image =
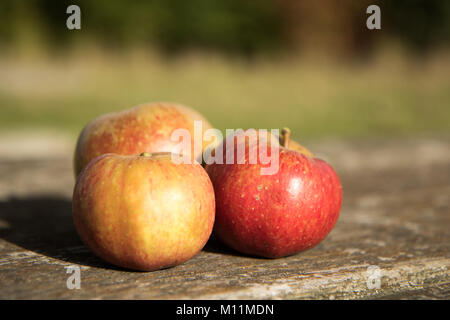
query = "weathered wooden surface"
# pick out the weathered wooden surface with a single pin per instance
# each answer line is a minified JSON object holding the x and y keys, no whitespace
{"x":395,"y":215}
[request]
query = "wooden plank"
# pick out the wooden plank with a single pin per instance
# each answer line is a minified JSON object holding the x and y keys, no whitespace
{"x":395,"y":216}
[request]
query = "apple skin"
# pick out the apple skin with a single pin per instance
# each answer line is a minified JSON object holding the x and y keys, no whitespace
{"x":143,"y":212}
{"x":146,"y":127}
{"x":275,"y":215}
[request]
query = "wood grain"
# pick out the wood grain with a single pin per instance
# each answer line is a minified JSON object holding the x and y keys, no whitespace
{"x":395,"y":216}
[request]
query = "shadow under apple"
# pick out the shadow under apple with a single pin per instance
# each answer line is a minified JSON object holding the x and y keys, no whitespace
{"x":44,"y":225}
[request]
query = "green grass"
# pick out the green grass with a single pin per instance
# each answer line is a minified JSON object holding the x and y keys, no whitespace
{"x":391,"y":95}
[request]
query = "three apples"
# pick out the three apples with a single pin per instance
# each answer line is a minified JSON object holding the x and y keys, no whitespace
{"x":134,"y":207}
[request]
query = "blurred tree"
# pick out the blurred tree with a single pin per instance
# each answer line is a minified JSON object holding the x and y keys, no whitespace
{"x":420,"y":24}
{"x":327,"y":25}
{"x":243,"y":27}
{"x":173,"y":25}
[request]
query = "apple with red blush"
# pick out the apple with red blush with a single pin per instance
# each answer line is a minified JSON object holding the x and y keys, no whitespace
{"x":279,"y":214}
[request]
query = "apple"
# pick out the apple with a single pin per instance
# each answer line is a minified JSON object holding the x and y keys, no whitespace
{"x":147,"y":127}
{"x":274,"y":215}
{"x":143,"y":212}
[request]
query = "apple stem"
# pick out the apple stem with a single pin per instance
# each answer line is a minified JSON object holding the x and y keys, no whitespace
{"x":145,"y":154}
{"x":285,"y":137}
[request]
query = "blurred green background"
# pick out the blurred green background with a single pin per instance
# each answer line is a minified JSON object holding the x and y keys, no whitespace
{"x":309,"y":65}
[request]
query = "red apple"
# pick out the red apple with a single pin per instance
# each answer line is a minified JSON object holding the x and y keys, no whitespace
{"x":143,"y":212}
{"x":147,"y":127}
{"x":274,"y":215}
